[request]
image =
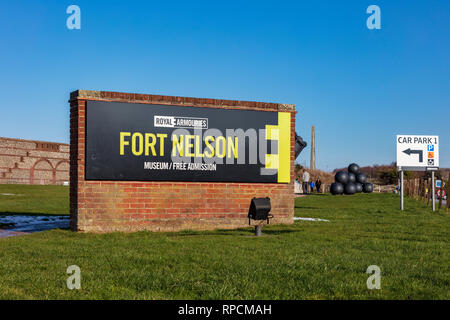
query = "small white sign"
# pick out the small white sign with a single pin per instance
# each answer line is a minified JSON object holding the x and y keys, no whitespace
{"x":417,"y":151}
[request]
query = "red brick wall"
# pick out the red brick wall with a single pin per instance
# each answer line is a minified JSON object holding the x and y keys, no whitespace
{"x":99,"y":206}
{"x":33,"y":162}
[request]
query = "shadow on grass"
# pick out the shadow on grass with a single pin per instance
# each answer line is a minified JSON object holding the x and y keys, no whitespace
{"x":226,"y":232}
{"x":275,"y":232}
{"x":317,"y":194}
{"x":218,"y":232}
{"x":8,"y":213}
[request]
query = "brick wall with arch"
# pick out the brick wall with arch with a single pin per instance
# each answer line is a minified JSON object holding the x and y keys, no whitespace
{"x":33,"y":162}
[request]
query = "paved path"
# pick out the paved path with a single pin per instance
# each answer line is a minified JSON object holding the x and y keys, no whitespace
{"x":8,"y":233}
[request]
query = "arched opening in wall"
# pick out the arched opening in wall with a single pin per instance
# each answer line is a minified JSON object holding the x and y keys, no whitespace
{"x":62,"y":170}
{"x":42,"y":172}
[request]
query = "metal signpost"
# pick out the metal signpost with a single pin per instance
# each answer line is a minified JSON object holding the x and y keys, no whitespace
{"x":417,"y":153}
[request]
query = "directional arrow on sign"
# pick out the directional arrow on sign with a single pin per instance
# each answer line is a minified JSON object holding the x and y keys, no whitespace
{"x":419,"y":152}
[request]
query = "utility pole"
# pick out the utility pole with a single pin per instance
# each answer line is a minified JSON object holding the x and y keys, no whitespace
{"x":313,"y":149}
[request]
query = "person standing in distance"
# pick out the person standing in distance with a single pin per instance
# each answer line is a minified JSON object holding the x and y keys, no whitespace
{"x":305,"y":180}
{"x":318,"y":184}
{"x":312,"y":185}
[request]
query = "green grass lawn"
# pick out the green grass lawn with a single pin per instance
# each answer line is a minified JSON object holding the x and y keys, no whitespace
{"x":28,"y":199}
{"x":306,"y":260}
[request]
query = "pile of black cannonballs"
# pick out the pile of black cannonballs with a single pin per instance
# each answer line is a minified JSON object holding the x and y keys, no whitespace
{"x":350,"y":182}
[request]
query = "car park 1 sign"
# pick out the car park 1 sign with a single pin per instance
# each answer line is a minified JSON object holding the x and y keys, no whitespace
{"x":417,"y":151}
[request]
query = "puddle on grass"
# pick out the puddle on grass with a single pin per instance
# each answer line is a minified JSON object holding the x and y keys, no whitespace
{"x":13,"y":225}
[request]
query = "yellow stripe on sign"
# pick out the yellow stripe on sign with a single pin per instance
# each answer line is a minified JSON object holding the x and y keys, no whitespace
{"x":284,"y":147}
{"x":282,"y":160}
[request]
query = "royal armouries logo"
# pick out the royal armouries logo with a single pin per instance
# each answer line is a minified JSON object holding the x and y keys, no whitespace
{"x":180,"y":122}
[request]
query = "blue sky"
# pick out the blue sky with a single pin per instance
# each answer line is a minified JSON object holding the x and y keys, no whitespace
{"x":359,"y":87}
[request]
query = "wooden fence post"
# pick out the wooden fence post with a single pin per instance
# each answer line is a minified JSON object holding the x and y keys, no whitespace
{"x":406,"y":187}
{"x":421,"y":189}
{"x":411,"y":188}
{"x":424,"y":190}
{"x":448,"y":190}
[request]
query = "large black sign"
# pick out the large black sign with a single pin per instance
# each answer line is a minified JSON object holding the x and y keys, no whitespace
{"x":145,"y":142}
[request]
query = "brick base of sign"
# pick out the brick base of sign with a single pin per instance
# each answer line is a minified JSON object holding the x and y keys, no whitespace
{"x":99,"y":206}
{"x":131,"y":206}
